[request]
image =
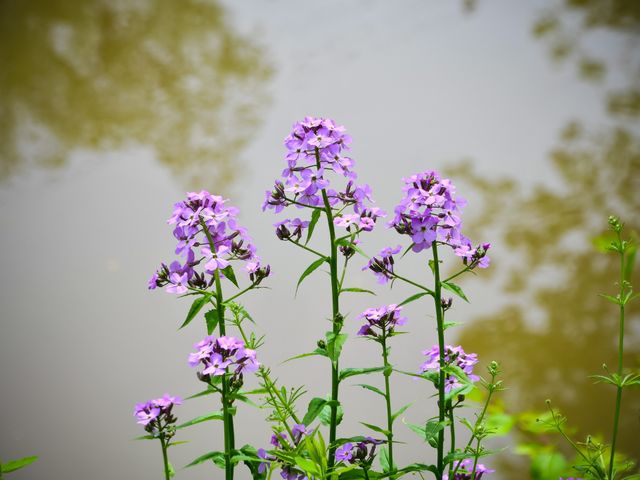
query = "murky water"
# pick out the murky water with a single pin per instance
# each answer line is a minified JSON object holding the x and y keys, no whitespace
{"x":110,"y":110}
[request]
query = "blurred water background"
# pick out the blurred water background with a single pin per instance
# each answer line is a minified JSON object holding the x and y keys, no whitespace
{"x":111,"y":110}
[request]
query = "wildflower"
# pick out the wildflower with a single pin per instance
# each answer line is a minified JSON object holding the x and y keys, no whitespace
{"x":218,"y":355}
{"x":465,"y":471}
{"x":208,"y":234}
{"x":382,"y":264}
{"x":430,"y":212}
{"x":453,"y":356}
{"x":362,"y":452}
{"x":156,"y":415}
{"x":383,"y":319}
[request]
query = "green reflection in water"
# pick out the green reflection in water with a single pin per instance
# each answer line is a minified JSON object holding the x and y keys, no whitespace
{"x":103,"y":73}
{"x":554,"y":330}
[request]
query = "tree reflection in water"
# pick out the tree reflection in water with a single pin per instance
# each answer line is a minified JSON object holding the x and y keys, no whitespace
{"x":103,"y":74}
{"x":554,"y":272}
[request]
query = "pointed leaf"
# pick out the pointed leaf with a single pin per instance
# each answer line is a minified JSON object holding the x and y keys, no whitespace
{"x":351,"y":372}
{"x":315,"y":216}
{"x":218,"y":415}
{"x":310,"y":269}
{"x":325,"y":414}
{"x":384,"y":459}
{"x":315,"y":407}
{"x":14,"y":465}
{"x":203,"y":393}
{"x":230,"y":274}
{"x":375,"y":428}
{"x":400,"y":411}
{"x":356,"y":290}
{"x":419,"y":467}
{"x":217,"y":457}
{"x":372,"y":388}
{"x":196,"y":306}
{"x":334,"y":345}
{"x":452,"y":287}
{"x":317,"y":351}
{"x":615,"y":300}
{"x":212,"y":320}
{"x":413,"y":298}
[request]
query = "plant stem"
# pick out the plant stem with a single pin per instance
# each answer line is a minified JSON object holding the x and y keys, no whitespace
{"x":226,"y":415}
{"x":167,"y":472}
{"x":387,"y":396}
{"x":437,"y":298}
{"x":452,"y":429}
{"x":616,"y":418}
{"x":335,"y":302}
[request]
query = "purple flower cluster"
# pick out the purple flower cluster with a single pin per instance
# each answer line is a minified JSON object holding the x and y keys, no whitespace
{"x":209,"y":236}
{"x":384,"y":319}
{"x":222,"y":353}
{"x":382,"y":264}
{"x":465,"y":471}
{"x":429,"y":212}
{"x":362,"y":452}
{"x":452,"y":356}
{"x":316,"y":146}
{"x":280,"y":441}
{"x":155,"y":415}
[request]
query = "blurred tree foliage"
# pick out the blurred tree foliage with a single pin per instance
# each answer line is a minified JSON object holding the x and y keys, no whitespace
{"x":104,"y":74}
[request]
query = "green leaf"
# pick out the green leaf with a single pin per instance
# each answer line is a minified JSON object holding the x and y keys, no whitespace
{"x":218,"y":415}
{"x":372,"y":388}
{"x":334,"y":345}
{"x":315,"y":216}
{"x":307,"y":466}
{"x":452,"y":287}
{"x":203,"y":393}
{"x":629,"y":262}
{"x":317,"y":351}
{"x":419,"y":467}
{"x":14,"y":465}
{"x":181,"y":442}
{"x":230,"y":274}
{"x":212,"y":320}
{"x":375,"y":428}
{"x":384,"y":459}
{"x":400,"y":411}
{"x":449,"y":325}
{"x":500,"y":423}
{"x":145,"y":437}
{"x":429,"y":431}
{"x":325,"y":414}
{"x":310,"y":269}
{"x":413,"y":298}
{"x":315,"y":407}
{"x":217,"y":457}
{"x":346,"y":242}
{"x":352,"y":372}
{"x":172,"y":471}
{"x":356,"y":290}
{"x":196,"y":306}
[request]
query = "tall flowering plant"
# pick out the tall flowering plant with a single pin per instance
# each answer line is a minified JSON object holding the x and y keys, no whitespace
{"x":319,"y":178}
{"x":210,"y":243}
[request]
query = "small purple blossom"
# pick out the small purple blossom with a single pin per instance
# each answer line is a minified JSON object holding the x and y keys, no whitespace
{"x":465,"y":471}
{"x":218,"y":355}
{"x":430,"y":212}
{"x":362,"y":452}
{"x":280,"y":441}
{"x":381,"y":320}
{"x":452,"y":356}
{"x":156,"y":415}
{"x":315,"y":152}
{"x":382,"y":264}
{"x":209,"y":239}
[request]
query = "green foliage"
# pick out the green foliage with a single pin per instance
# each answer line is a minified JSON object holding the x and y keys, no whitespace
{"x":196,"y":306}
{"x":13,"y":465}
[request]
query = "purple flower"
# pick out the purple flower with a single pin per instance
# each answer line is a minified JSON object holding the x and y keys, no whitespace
{"x":209,"y":238}
{"x":465,"y":471}
{"x":452,"y":356}
{"x":315,"y":152}
{"x":429,"y":212}
{"x":383,"y":319}
{"x":343,"y":453}
{"x":156,"y":415}
{"x":382,"y":264}
{"x":219,"y":355}
{"x":362,"y":452}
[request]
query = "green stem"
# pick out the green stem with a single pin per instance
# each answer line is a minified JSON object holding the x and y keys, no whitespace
{"x":307,"y":248}
{"x":226,"y":414}
{"x":475,"y":461}
{"x":335,"y":303}
{"x":387,"y":396}
{"x":452,"y":429}
{"x":437,"y":298}
{"x":167,"y":471}
{"x":616,"y":418}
